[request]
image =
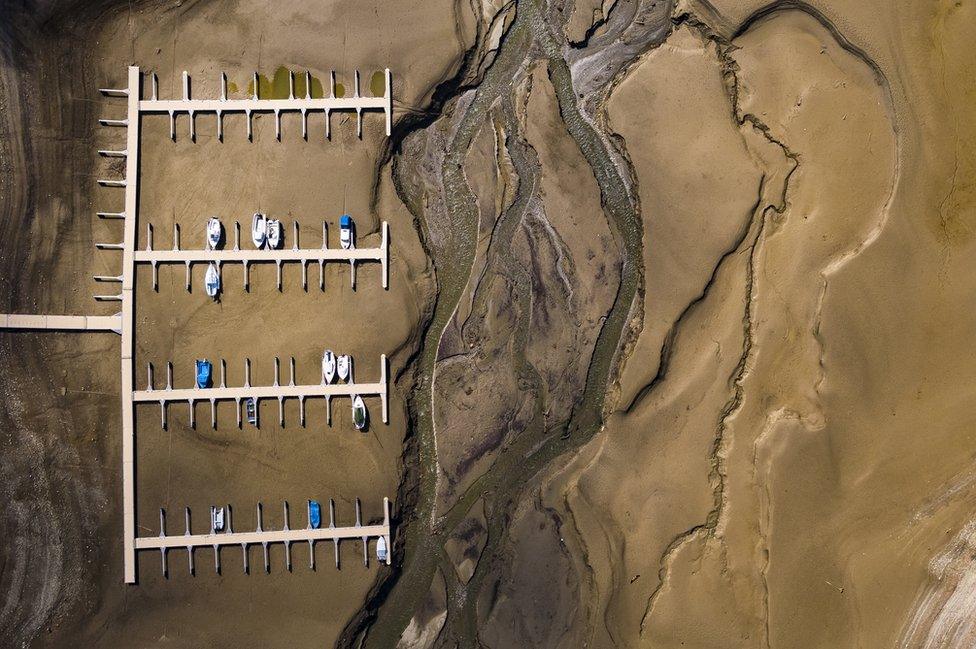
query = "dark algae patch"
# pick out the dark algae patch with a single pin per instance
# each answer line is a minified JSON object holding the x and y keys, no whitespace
{"x":276,"y":87}
{"x":377,"y":83}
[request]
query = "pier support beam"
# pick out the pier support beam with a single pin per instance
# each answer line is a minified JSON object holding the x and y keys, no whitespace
{"x":128,"y":324}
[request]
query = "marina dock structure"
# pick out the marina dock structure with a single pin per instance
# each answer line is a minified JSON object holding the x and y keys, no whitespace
{"x":255,"y":104}
{"x":62,"y":322}
{"x":237,"y":255}
{"x":277,"y":391}
{"x":124,"y":322}
{"x":308,"y":534}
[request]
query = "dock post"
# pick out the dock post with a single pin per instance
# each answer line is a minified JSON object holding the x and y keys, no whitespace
{"x":386,"y":523}
{"x":389,"y":103}
{"x":287,"y":543}
{"x":385,"y":255}
{"x":189,"y":548}
{"x":162,"y":532}
{"x":335,"y":540}
{"x":383,"y":382}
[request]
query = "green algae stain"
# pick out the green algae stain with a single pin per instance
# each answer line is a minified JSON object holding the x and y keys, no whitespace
{"x":276,"y":87}
{"x":377,"y":83}
{"x":231,"y":87}
{"x":300,"y":87}
{"x":340,"y":90}
{"x":318,"y":92}
{"x":279,"y":85}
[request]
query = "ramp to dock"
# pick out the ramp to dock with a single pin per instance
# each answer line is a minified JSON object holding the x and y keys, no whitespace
{"x":53,"y":322}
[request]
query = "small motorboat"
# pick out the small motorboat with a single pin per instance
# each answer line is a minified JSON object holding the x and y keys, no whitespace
{"x":204,"y":371}
{"x":211,"y":281}
{"x":274,"y":233}
{"x":359,"y":415}
{"x":251,"y":410}
{"x":328,"y":366}
{"x":259,"y":230}
{"x":381,"y":548}
{"x":344,"y":367}
{"x":214,"y":232}
{"x":346,"y":232}
{"x":216,"y":519}
{"x":314,"y":514}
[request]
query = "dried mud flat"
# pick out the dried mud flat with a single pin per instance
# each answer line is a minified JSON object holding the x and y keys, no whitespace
{"x":678,"y":323}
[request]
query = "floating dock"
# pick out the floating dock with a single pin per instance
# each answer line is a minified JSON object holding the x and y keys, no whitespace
{"x":277,"y":391}
{"x":123,"y":323}
{"x":215,"y":540}
{"x":236,"y":255}
{"x":255,"y":104}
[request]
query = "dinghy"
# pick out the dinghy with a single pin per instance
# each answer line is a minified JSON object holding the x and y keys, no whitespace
{"x":344,"y":367}
{"x":328,"y":366}
{"x":346,"y":232}
{"x":274,"y":233}
{"x":358,"y":412}
{"x":204,"y":370}
{"x":216,"y":519}
{"x":259,"y":230}
{"x":314,"y":514}
{"x":212,"y":280}
{"x":381,"y":548}
{"x":214,"y":232}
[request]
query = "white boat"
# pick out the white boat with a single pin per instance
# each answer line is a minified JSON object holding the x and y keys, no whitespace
{"x":259,"y":230}
{"x":381,"y":548}
{"x":346,"y":232}
{"x":212,"y":280}
{"x":328,"y":366}
{"x":274,"y":233}
{"x":344,"y":367}
{"x":217,"y":519}
{"x":214,"y":232}
{"x":359,"y":415}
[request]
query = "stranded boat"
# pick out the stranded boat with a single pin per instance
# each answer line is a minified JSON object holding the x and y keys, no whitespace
{"x":346,"y":232}
{"x":214,"y":231}
{"x":204,"y":370}
{"x":274,"y":233}
{"x":358,"y":412}
{"x":344,"y":367}
{"x":251,"y":410}
{"x":381,"y":548}
{"x":328,"y":366}
{"x":314,"y":514}
{"x":211,"y":280}
{"x":216,"y":519}
{"x":259,"y":230}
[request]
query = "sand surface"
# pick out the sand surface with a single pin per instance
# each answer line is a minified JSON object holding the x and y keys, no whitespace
{"x":678,"y":324}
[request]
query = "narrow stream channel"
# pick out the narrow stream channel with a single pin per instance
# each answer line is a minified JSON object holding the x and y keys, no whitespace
{"x":529,"y":38}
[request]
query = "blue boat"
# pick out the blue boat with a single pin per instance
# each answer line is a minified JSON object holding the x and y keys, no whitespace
{"x":314,"y":514}
{"x":204,"y":369}
{"x":346,"y":232}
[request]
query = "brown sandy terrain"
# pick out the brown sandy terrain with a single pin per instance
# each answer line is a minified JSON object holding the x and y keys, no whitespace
{"x":678,"y":321}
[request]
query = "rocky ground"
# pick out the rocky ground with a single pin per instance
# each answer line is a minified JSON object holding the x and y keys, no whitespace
{"x":678,"y":323}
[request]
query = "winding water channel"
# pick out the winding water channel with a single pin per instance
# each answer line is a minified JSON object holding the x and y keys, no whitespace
{"x":422,"y":536}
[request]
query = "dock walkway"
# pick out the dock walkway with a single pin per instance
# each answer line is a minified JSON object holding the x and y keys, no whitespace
{"x":262,"y":537}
